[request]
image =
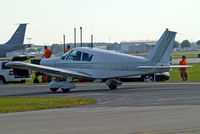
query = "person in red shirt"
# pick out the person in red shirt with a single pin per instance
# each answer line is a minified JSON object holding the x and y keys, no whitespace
{"x":183,"y":71}
{"x":47,"y":53}
{"x":68,"y":48}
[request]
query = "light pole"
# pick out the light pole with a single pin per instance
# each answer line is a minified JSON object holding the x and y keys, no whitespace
{"x":81,"y":35}
{"x":64,"y":43}
{"x":92,"y":41}
{"x":75,"y":37}
{"x":29,"y":40}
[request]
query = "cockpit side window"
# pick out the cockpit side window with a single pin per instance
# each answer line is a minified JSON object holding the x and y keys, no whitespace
{"x":86,"y":57}
{"x":74,"y":56}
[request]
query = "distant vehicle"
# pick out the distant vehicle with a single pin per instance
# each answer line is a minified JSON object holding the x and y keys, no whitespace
{"x":147,"y":78}
{"x":8,"y":74}
{"x":16,"y":42}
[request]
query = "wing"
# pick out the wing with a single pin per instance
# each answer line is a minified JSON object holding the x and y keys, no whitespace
{"x":48,"y":70}
{"x":162,"y":67}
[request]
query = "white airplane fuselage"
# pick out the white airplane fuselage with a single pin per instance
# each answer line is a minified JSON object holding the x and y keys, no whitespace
{"x":104,"y":64}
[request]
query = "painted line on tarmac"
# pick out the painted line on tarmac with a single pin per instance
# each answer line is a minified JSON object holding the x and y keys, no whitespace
{"x":23,"y":85}
{"x":103,"y":84}
{"x":167,"y":83}
{"x":173,"y":131}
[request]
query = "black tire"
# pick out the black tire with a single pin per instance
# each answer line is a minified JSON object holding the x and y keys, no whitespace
{"x":53,"y":89}
{"x":2,"y":80}
{"x":65,"y":90}
{"x":148,"y":78}
{"x":112,"y":87}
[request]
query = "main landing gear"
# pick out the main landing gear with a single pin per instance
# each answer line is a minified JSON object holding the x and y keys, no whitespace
{"x":65,"y":85}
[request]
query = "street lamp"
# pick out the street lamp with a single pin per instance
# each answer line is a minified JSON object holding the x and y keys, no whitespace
{"x":75,"y":37}
{"x":64,"y":42}
{"x":81,"y":35}
{"x":29,"y":40}
{"x":92,"y":41}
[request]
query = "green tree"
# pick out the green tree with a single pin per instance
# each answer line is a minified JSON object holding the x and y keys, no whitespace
{"x":198,"y":42}
{"x":185,"y":44}
{"x":176,"y":44}
{"x":57,"y":48}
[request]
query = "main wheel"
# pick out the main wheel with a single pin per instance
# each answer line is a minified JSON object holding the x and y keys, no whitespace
{"x":53,"y":89}
{"x":65,"y":89}
{"x":148,"y":78}
{"x":2,"y":80}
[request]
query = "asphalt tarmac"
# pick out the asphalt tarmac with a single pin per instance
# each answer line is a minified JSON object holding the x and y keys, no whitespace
{"x":134,"y":108}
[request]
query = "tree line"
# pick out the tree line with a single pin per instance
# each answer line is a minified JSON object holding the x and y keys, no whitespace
{"x":184,"y":44}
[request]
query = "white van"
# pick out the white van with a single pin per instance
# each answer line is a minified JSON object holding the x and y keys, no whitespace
{"x":8,"y":74}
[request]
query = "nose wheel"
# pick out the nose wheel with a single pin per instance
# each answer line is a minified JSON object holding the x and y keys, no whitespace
{"x":113,"y":83}
{"x":64,"y":85}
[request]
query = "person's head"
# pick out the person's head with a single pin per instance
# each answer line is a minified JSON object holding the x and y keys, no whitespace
{"x":45,"y":47}
{"x":183,"y":57}
{"x":68,"y":46}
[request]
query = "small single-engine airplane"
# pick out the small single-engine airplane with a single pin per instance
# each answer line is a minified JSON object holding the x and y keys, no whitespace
{"x":93,"y":63}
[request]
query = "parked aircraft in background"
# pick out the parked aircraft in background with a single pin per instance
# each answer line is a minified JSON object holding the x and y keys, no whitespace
{"x":96,"y":64}
{"x":16,"y":41}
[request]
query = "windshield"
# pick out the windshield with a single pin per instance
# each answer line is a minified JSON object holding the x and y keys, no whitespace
{"x":74,"y":56}
{"x":65,"y":54}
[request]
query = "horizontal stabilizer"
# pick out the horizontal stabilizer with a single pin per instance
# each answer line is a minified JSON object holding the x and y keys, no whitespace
{"x":162,"y":67}
{"x":179,"y":66}
{"x":49,"y":70}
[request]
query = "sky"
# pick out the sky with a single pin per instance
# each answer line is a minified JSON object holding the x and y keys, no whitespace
{"x":107,"y":20}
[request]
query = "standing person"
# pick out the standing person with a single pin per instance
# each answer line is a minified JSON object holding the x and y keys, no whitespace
{"x":68,"y":48}
{"x":183,"y":70}
{"x":47,"y":53}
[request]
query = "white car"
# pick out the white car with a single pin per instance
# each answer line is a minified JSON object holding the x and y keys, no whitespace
{"x":12,"y":75}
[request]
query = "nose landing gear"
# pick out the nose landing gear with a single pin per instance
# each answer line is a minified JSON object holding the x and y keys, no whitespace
{"x":113,"y":83}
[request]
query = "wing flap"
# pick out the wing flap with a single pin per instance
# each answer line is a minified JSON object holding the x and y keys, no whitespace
{"x":49,"y":70}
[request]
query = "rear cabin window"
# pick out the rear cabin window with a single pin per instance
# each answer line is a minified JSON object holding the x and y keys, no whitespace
{"x":86,"y":57}
{"x":4,"y":65}
{"x":74,"y":56}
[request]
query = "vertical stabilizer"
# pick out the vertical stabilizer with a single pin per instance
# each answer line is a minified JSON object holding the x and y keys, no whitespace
{"x":162,"y":51}
{"x":18,"y":36}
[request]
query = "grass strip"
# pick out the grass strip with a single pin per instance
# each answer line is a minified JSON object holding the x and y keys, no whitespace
{"x":21,"y":104}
